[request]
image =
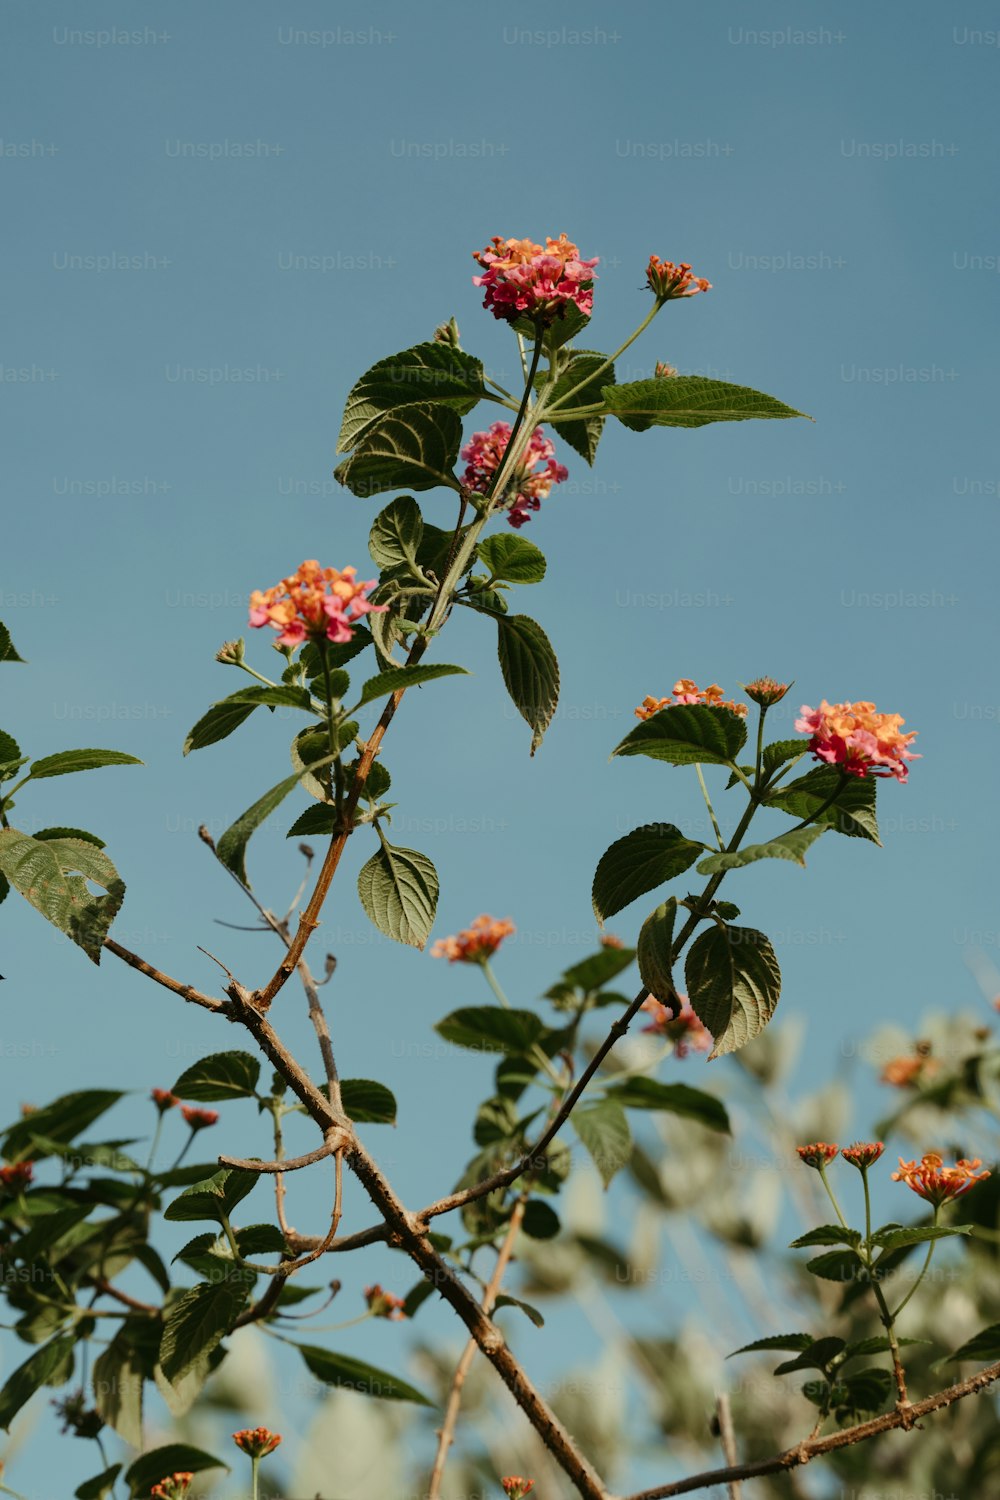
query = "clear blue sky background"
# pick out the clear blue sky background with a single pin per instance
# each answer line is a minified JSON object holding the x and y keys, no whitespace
{"x":836,"y":190}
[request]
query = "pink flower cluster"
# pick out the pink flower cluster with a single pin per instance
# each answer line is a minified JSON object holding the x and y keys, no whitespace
{"x":855,"y":737}
{"x":687,"y":1033}
{"x":686,"y":691}
{"x":530,"y":485}
{"x":313,"y":602}
{"x":524,"y":280}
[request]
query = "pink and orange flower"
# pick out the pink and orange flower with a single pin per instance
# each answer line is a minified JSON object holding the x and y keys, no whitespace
{"x":313,"y":603}
{"x":529,"y":484}
{"x":863,"y":1154}
{"x":685,"y":1030}
{"x":256,"y":1442}
{"x":936,"y":1182}
{"x":667,"y":281}
{"x":16,"y":1176}
{"x":525,"y":280}
{"x":686,"y":691}
{"x":174,"y":1487}
{"x":858,"y":739}
{"x":163,"y":1099}
{"x":199,"y":1119}
{"x":382,"y":1304}
{"x":516,"y":1488}
{"x":818,"y":1155}
{"x":474,"y":944}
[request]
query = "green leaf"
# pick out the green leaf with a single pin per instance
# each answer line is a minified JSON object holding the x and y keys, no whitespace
{"x":603,"y":1130}
{"x":733,"y":982}
{"x":877,"y":1345}
{"x":982,"y":1347}
{"x":35,"y":1372}
{"x":395,"y":678}
{"x":232,"y":846}
{"x":828,"y":1234}
{"x":219,"y":722}
{"x":678,"y":1098}
{"x":642,"y":860}
{"x":891,"y":1238}
{"x":775,"y":1341}
{"x":68,"y":761}
{"x":399,"y":891}
{"x":529,"y":1312}
{"x":853,"y":811}
{"x":583,"y":433}
{"x":530,"y":671}
{"x":118,"y":1383}
{"x":100,"y":1487}
{"x":62,"y":1120}
{"x":7,"y":652}
{"x":431,"y":372}
{"x":10,"y":751}
{"x":224,"y":1075}
{"x":396,"y":534}
{"x":689,"y":401}
{"x":213,"y":1197}
{"x":318,"y":819}
{"x":416,"y":448}
{"x":656,"y":951}
{"x":513,"y":558}
{"x":283,"y":695}
{"x":337,"y":654}
{"x":792,"y":845}
{"x":819,"y":1354}
{"x":173,"y":1458}
{"x":863,"y":1392}
{"x":837,"y":1265}
{"x":199,"y":1320}
{"x":593,"y":973}
{"x":338,"y":1369}
{"x":70,"y":833}
{"x":487,"y":1028}
{"x":687,"y":734}
{"x":727,"y":910}
{"x":779,"y":753}
{"x":540,"y":1222}
{"x":52,"y":875}
{"x":368,"y":1102}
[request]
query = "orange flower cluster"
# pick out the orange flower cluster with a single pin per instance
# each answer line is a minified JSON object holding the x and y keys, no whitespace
{"x":474,"y":944}
{"x":314,"y":602}
{"x":16,"y":1176}
{"x":863,"y":1154}
{"x":257,"y":1442}
{"x":858,"y":738}
{"x":907,"y":1072}
{"x":936,"y":1182}
{"x":199,"y":1119}
{"x":668,"y":281}
{"x":819,"y":1155}
{"x":686,"y":691}
{"x":163,"y":1099}
{"x":384,"y":1305}
{"x":174,"y":1487}
{"x":515,"y":1488}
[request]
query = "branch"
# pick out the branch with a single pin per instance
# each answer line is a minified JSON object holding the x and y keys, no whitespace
{"x":186,"y":991}
{"x":287,"y":1164}
{"x":791,"y":1458}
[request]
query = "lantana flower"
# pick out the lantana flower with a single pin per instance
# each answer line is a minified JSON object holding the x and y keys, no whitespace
{"x":515,"y":1488}
{"x":199,"y":1119}
{"x":257,"y":1442}
{"x":473,"y":945}
{"x":685,"y":1030}
{"x":686,"y":691}
{"x":174,"y":1486}
{"x":529,"y":484}
{"x":314,"y":603}
{"x":382,"y":1304}
{"x":163,"y":1099}
{"x":667,"y":281}
{"x":909,"y":1072}
{"x":819,"y":1155}
{"x":663,"y":371}
{"x":16,"y":1175}
{"x":858,"y":739}
{"x":523,"y":279}
{"x":863,"y":1154}
{"x":936,"y":1182}
{"x":765,"y":691}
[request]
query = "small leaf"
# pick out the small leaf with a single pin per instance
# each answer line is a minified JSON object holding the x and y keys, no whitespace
{"x":396,"y":534}
{"x":687,"y":734}
{"x":219,"y":722}
{"x":200,"y":1319}
{"x":775,"y":1341}
{"x":213,"y":1196}
{"x":734,"y":982}
{"x":818,"y":1356}
{"x":339,"y":1370}
{"x":792,"y":845}
{"x":513,"y":558}
{"x":642,"y":860}
{"x":540,"y":1222}
{"x":68,"y":761}
{"x":224,"y":1075}
{"x":399,"y":891}
{"x":837,"y":1265}
{"x":678,"y":1098}
{"x":35,"y":1372}
{"x":316,"y":820}
{"x":101,"y":1486}
{"x":7,"y":652}
{"x":689,"y":401}
{"x":368,"y":1102}
{"x":656,"y":952}
{"x":52,"y":875}
{"x":232,"y":846}
{"x":530,"y":671}
{"x":414,"y":448}
{"x":828,"y":1234}
{"x":984,"y":1347}
{"x":396,"y":678}
{"x":593,"y":973}
{"x":603,"y":1129}
{"x":529,"y":1312}
{"x":863,"y":1392}
{"x":486,"y":1028}
{"x":173,"y":1458}
{"x":851,"y":813}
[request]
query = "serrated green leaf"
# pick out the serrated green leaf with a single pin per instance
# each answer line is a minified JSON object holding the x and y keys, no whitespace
{"x":338,"y":654}
{"x":594,"y":972}
{"x":687,"y":734}
{"x":656,"y":951}
{"x":604,"y":1131}
{"x":792,"y":846}
{"x":7,"y":652}
{"x":219,"y":722}
{"x":368,"y":1102}
{"x":775,"y":1341}
{"x":486,"y":1028}
{"x":432,"y":372}
{"x":642,"y":860}
{"x":828,"y":1234}
{"x":414,"y":448}
{"x":399,"y":891}
{"x":512,"y":558}
{"x":779,"y":753}
{"x":395,"y":678}
{"x":10,"y":751}
{"x":530,"y":671}
{"x":34,"y":1373}
{"x":200,"y":1319}
{"x":837,"y":1265}
{"x":339,"y":1370}
{"x":689,"y":401}
{"x":984,"y":1346}
{"x":582,"y":433}
{"x":172,"y":1458}
{"x":851,"y":813}
{"x":818,"y":1356}
{"x":677,"y":1098}
{"x":69,"y":761}
{"x":70,"y":833}
{"x":318,"y":819}
{"x":863,"y":1392}
{"x":100,"y":1487}
{"x":232,"y":847}
{"x":223,"y":1075}
{"x":52,"y":874}
{"x":396,"y":534}
{"x":212,"y":1197}
{"x":733,"y":982}
{"x":118,"y":1383}
{"x":891,"y":1238}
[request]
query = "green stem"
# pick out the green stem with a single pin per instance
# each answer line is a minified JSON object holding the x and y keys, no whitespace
{"x":536,"y":1052}
{"x":711,"y":809}
{"x":760,"y":745}
{"x":830,"y":1194}
{"x":611,"y":358}
{"x":814,"y":817}
{"x":254,"y":1467}
{"x":923,"y":1269}
{"x":336,"y":779}
{"x":868,"y":1208}
{"x":183,"y":1151}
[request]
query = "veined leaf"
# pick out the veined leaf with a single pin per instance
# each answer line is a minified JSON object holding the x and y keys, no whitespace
{"x":642,"y":860}
{"x":733,"y":982}
{"x":689,"y":401}
{"x":414,"y":448}
{"x":399,"y":891}
{"x":52,"y":875}
{"x":686,"y":734}
{"x":530,"y":671}
{"x":232,"y":846}
{"x":792,"y":845}
{"x":432,"y":372}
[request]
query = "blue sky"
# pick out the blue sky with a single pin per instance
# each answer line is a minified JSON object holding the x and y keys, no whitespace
{"x":297,"y":191}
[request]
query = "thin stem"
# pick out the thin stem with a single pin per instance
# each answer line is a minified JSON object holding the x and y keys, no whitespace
{"x":923,"y":1270}
{"x":830,"y":1194}
{"x":183,"y":1151}
{"x":760,"y":745}
{"x":539,"y":1056}
{"x":708,"y":804}
{"x":589,"y":379}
